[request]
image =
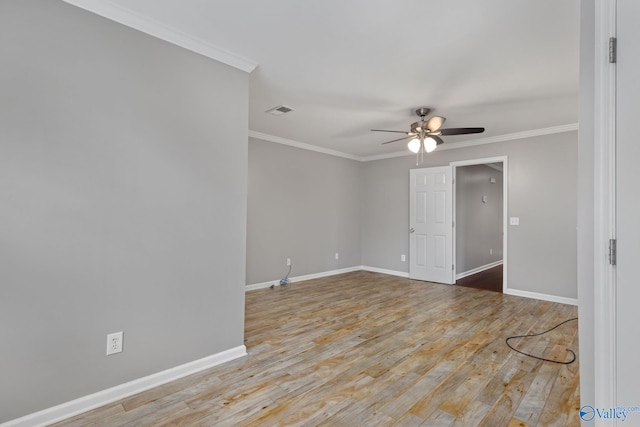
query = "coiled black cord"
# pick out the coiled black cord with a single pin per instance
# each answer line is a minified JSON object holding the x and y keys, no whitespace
{"x":573,"y":359}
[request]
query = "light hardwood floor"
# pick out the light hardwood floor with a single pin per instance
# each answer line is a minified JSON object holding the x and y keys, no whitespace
{"x":367,"y":349}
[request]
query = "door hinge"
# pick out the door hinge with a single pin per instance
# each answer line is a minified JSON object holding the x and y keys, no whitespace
{"x":453,"y":267}
{"x":613,"y":50}
{"x":613,"y":251}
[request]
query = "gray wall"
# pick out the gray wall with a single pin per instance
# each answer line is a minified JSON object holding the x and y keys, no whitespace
{"x":304,"y":206}
{"x":586,"y":201}
{"x":542,"y":192}
{"x":479,"y":225}
{"x":123,"y":164}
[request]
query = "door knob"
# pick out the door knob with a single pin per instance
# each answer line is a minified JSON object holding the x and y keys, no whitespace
{"x":411,"y":230}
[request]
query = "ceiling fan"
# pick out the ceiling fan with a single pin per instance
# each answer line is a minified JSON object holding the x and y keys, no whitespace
{"x":425,"y":134}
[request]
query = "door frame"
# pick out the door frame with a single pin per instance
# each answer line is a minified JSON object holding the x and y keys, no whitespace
{"x":505,"y":208}
{"x":604,"y":213}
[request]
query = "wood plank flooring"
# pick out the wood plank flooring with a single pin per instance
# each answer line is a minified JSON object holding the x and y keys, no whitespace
{"x":489,"y":280}
{"x":367,"y":349}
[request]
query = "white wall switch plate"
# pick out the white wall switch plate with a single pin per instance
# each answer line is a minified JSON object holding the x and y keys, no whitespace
{"x":403,"y":258}
{"x":288,"y":262}
{"x":514,"y":220}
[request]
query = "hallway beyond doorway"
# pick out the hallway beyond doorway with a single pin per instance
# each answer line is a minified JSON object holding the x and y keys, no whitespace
{"x":489,"y":280}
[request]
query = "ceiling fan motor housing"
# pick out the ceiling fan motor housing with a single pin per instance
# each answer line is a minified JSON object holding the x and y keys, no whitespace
{"x":423,"y":112}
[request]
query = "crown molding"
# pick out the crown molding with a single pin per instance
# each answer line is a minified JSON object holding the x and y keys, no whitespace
{"x":482,"y":141}
{"x":150,"y":26}
{"x":512,"y":136}
{"x":451,"y":146}
{"x":302,"y":145}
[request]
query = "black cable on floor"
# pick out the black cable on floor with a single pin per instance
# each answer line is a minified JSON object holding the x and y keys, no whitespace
{"x":542,"y":333}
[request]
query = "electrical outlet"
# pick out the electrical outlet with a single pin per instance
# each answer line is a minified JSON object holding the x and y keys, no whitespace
{"x":288,"y":262}
{"x":403,"y":258}
{"x":337,"y":255}
{"x":114,"y":343}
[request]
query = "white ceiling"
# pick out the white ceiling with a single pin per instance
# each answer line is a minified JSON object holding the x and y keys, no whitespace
{"x":347,"y":66}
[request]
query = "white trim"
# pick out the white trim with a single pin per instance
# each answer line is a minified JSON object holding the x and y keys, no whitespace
{"x":261,"y":285}
{"x":327,"y":274}
{"x":385,"y":271}
{"x":302,"y":145}
{"x":543,"y":297}
{"x":404,"y":153}
{"x":605,"y":356}
{"x":302,"y":278}
{"x":486,"y":160}
{"x":483,"y":141}
{"x":113,"y":394}
{"x":514,"y":292}
{"x":512,"y":136}
{"x":478,"y":270}
{"x":150,"y":26}
{"x":505,"y":209}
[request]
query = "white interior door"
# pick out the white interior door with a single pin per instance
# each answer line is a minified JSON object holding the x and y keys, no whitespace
{"x":627,"y":204}
{"x":431,"y":224}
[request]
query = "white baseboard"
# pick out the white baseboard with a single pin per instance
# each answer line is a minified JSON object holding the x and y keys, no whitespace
{"x":302,"y":278}
{"x":478,"y":269}
{"x":86,"y":403}
{"x":104,"y":397}
{"x":515,"y":292}
{"x":384,"y":271}
{"x":543,"y":297}
{"x":326,"y":274}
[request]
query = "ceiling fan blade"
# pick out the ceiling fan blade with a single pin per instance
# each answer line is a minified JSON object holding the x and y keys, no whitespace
{"x":437,"y":139}
{"x":460,"y":131}
{"x":394,"y":131}
{"x":434,"y":123}
{"x":399,"y":139}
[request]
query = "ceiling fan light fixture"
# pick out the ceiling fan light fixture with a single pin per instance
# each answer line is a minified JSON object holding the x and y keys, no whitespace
{"x":430,"y":144}
{"x":426,"y":135}
{"x":414,"y":145}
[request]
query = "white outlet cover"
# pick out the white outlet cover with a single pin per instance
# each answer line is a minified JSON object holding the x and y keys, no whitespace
{"x":514,"y":220}
{"x":114,"y":343}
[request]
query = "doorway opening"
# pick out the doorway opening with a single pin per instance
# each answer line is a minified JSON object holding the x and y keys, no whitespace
{"x":480,"y":232}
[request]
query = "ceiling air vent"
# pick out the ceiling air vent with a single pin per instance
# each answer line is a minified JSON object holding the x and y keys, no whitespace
{"x":279,"y":110}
